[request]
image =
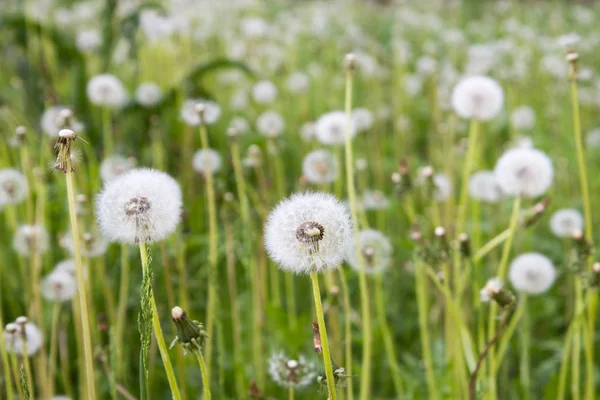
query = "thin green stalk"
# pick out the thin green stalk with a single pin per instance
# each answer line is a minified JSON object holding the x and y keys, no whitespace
{"x":160,"y":340}
{"x":466,"y":174}
{"x":53,"y":346}
{"x":108,"y":141}
{"x":365,"y":381}
{"x":291,"y":393}
{"x":348,"y":334}
{"x":422,"y":304}
{"x":5,"y":363}
{"x":81,"y":285}
{"x":525,"y":367}
{"x":204,"y":372}
{"x":491,"y":245}
{"x":323,"y":333}
{"x":212,"y":248}
{"x":122,"y":309}
{"x":576,"y":352}
{"x":15,"y":374}
{"x":28,"y":374}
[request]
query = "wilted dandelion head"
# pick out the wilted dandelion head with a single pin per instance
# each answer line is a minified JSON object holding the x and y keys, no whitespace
{"x":523,"y":118}
{"x":375,"y":251}
{"x":206,"y":160}
{"x":320,"y":167}
{"x":56,"y":118}
{"x":308,"y":232}
{"x":148,"y":94}
{"x":30,"y":239}
{"x":264,"y":92}
{"x":114,"y":166}
{"x":477,"y":97}
{"x":491,"y":288}
{"x":484,"y":187}
{"x":287,"y":372}
{"x":13,"y":187}
{"x":565,"y":222}
{"x":532,"y":273}
{"x":363,"y":119}
{"x":270,"y":124}
{"x":106,"y":90}
{"x":524,"y":172}
{"x":59,"y":286}
{"x":90,"y":244}
{"x":22,"y":337}
{"x":196,"y":111}
{"x":374,"y":200}
{"x":331,"y":128}
{"x":143,"y":205}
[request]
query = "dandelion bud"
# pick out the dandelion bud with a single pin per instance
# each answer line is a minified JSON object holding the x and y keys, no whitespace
{"x":465,"y":245}
{"x":190,"y":334}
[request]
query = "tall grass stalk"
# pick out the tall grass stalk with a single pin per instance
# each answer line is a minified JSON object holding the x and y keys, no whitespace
{"x":122,"y":309}
{"x":5,"y":361}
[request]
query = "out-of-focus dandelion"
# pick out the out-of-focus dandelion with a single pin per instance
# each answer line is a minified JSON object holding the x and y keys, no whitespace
{"x":331,"y":128}
{"x":207,"y":159}
{"x":270,"y":123}
{"x":106,"y":90}
{"x":532,"y":273}
{"x":524,"y":172}
{"x":320,"y":167}
{"x":375,"y":249}
{"x":114,"y":166}
{"x":477,"y":97}
{"x":30,"y":239}
{"x":565,"y":222}
{"x":264,"y":92}
{"x":13,"y":187}
{"x":288,"y":372}
{"x":484,"y":187}
{"x":148,"y":94}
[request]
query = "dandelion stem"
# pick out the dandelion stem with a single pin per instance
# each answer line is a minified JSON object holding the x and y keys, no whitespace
{"x":323,"y":332}
{"x":160,"y":340}
{"x":5,"y":362}
{"x":291,"y":393}
{"x":107,"y":132}
{"x":81,"y":285}
{"x":467,"y":169}
{"x":53,"y":346}
{"x":491,"y":245}
{"x":122,"y":308}
{"x":365,"y":382}
{"x":348,"y":333}
{"x":204,"y":372}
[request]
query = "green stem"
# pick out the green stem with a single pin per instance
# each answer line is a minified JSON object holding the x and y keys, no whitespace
{"x":122,"y":309}
{"x":5,"y":363}
{"x":348,"y":333}
{"x":81,"y":285}
{"x":204,"y":372}
{"x":323,"y":333}
{"x":160,"y":340}
{"x":525,"y":348}
{"x":491,"y":245}
{"x":466,"y":174}
{"x":53,"y":346}
{"x":107,"y":132}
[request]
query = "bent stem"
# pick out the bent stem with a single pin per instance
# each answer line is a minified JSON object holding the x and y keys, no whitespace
{"x":204,"y":372}
{"x":323,"y":333}
{"x":160,"y":340}
{"x":85,"y":324}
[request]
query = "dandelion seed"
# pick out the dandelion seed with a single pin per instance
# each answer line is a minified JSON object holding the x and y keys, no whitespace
{"x":484,"y":187}
{"x":524,"y":172}
{"x":143,"y":205}
{"x":565,"y":222}
{"x":13,"y":187}
{"x":287,"y":372}
{"x":331,"y":128}
{"x":477,"y":97}
{"x":375,"y":249}
{"x":532,"y":273}
{"x":148,"y":94}
{"x":270,"y":124}
{"x":114,"y":166}
{"x":206,"y":160}
{"x":308,"y":232}
{"x":320,"y":167}
{"x":30,"y":239}
{"x":106,"y":90}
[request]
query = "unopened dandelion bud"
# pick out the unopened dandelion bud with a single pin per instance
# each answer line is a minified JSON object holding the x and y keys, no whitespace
{"x":21,"y":133}
{"x":254,"y":392}
{"x":190,"y":334}
{"x":465,"y":245}
{"x":350,"y":62}
{"x":572,"y":58}
{"x":317,"y":338}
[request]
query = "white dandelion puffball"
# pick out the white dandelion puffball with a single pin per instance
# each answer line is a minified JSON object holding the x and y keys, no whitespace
{"x":254,"y":27}
{"x":114,"y":166}
{"x":565,"y":222}
{"x":443,"y":187}
{"x":106,"y":90}
{"x":532,"y":273}
{"x":143,"y":205}
{"x":88,"y":40}
{"x":13,"y":186}
{"x":270,"y":124}
{"x":320,"y":167}
{"x":477,"y":97}
{"x":375,"y":251}
{"x":374,"y":200}
{"x":148,"y":94}
{"x":59,"y":286}
{"x":206,"y":160}
{"x":484,"y":187}
{"x":363,"y":119}
{"x":524,"y":172}
{"x":287,"y":372}
{"x":91,"y":245}
{"x":264,"y":92}
{"x":523,"y":118}
{"x":492,"y":287}
{"x":240,"y":124}
{"x":31,"y":239}
{"x":52,"y":121}
{"x":192,"y":108}
{"x":18,"y":341}
{"x":330,"y":128}
{"x":308,"y":232}
{"x":298,"y":82}
{"x":68,"y":266}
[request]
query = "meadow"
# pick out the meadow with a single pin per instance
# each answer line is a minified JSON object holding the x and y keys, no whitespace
{"x":299,"y":200}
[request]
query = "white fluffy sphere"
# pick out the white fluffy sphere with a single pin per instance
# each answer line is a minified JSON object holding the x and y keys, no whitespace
{"x":148,"y":94}
{"x":18,"y":342}
{"x":375,"y":249}
{"x":51,"y":121}
{"x":114,"y":166}
{"x":484,"y":187}
{"x":143,"y":205}
{"x":106,"y":90}
{"x":478,"y":97}
{"x":523,"y":118}
{"x":532,"y":273}
{"x":264,"y":92}
{"x":30,"y":239}
{"x":320,"y":167}
{"x":13,"y":186}
{"x":59,"y":286}
{"x":270,"y":124}
{"x":565,"y":222}
{"x":206,"y":160}
{"x":191,"y":115}
{"x":363,"y":119}
{"x":308,"y":232}
{"x":524,"y":172}
{"x":330,"y":128}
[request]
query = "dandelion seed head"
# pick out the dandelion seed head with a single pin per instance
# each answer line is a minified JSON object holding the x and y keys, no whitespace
{"x":143,"y":205}
{"x":477,"y":97}
{"x":23,"y":337}
{"x":565,"y":222}
{"x":308,"y":231}
{"x":195,"y":111}
{"x":88,"y":40}
{"x":320,"y":167}
{"x":287,"y":372}
{"x":532,"y":273}
{"x":59,"y":286}
{"x":363,"y":119}
{"x":264,"y":92}
{"x":331,"y":128}
{"x":148,"y":94}
{"x":523,"y":118}
{"x":270,"y":123}
{"x":375,"y":250}
{"x":30,"y":239}
{"x":524,"y":172}
{"x":13,"y":187}
{"x":374,"y":200}
{"x":206,"y":160}
{"x":91,"y":244}
{"x":106,"y":90}
{"x":56,"y":118}
{"x":484,"y":187}
{"x":114,"y":166}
